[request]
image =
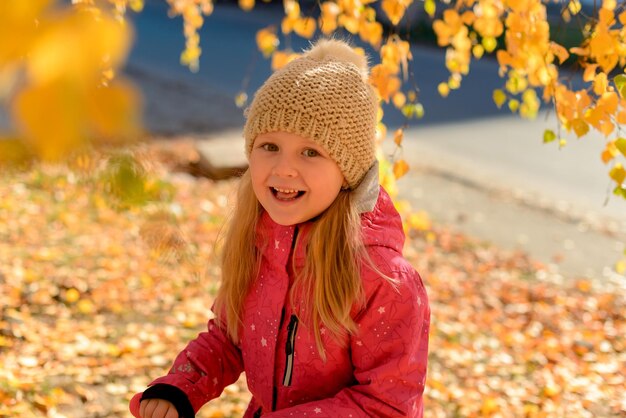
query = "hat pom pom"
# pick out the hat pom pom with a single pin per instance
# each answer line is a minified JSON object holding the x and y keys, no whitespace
{"x":338,"y":50}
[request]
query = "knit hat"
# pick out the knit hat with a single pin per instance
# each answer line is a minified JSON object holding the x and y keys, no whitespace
{"x":324,"y":96}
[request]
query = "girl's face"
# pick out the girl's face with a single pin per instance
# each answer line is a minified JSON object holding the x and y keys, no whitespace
{"x":293,"y":177}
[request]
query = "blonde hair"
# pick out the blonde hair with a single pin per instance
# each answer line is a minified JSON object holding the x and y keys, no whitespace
{"x":330,"y":281}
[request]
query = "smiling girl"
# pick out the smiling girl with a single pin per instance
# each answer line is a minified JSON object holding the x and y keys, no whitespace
{"x":317,"y":305}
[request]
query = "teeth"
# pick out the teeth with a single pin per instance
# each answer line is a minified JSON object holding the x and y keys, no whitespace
{"x":285,"y":190}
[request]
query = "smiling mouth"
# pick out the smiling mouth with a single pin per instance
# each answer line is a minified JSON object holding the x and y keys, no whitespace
{"x":286,"y":194}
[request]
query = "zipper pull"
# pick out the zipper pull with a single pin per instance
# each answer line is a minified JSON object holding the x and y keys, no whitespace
{"x":292,"y":328}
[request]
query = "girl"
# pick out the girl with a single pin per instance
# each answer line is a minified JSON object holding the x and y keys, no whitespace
{"x":317,"y":305}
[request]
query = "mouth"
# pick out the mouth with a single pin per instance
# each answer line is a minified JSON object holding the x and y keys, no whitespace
{"x":286,"y":195}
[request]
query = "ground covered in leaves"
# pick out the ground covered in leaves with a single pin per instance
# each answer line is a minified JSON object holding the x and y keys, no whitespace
{"x":100,"y":287}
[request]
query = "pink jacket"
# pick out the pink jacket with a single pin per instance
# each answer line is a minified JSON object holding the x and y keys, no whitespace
{"x":379,"y":372}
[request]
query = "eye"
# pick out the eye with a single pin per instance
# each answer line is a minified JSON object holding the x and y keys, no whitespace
{"x":268,"y":146}
{"x":309,"y":152}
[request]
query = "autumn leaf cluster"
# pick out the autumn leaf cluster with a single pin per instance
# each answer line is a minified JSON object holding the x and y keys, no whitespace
{"x":58,"y":75}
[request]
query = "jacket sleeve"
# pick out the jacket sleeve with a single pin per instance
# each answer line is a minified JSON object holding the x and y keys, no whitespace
{"x":200,"y":372}
{"x":389,"y":355}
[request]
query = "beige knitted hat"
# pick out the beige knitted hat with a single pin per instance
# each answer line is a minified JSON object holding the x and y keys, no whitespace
{"x":324,"y":96}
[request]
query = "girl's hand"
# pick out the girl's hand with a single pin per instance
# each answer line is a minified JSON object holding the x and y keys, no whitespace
{"x":157,"y":408}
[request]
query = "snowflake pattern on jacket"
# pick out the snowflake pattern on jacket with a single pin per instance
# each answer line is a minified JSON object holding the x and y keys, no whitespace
{"x":378,"y":372}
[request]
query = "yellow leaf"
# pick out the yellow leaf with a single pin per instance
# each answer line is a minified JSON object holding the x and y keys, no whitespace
{"x":400,"y":168}
{"x":559,"y":51}
{"x":419,"y":221}
{"x":548,"y":136}
{"x":399,"y":99}
{"x":489,"y":43}
{"x":514,"y":105}
{"x":305,"y":27}
{"x":267,"y":41}
{"x":246,"y":5}
{"x":430,"y":7}
{"x":136,"y":5}
{"x":574,"y":7}
{"x":371,"y":32}
{"x":580,"y":127}
{"x":241,"y":99}
{"x":292,"y":9}
{"x":489,"y":406}
{"x":85,"y":306}
{"x":78,"y":45}
{"x":600,"y":83}
{"x":443,"y":89}
{"x":281,"y":58}
{"x":398,"y":136}
{"x":18,"y":24}
{"x":478,"y":51}
{"x":454,"y":81}
{"x":610,"y":151}
{"x":351,"y":23}
{"x":607,"y":128}
{"x":618,"y":174}
{"x":620,"y":267}
{"x":499,"y":97}
{"x":52,"y":133}
{"x":328,"y":18}
{"x":381,"y":132}
{"x":113,"y":112}
{"x":590,"y":72}
{"x":72,"y":295}
{"x":379,"y":113}
{"x":385,"y":82}
{"x":551,"y":389}
{"x":394,"y":9}
{"x":620,"y":144}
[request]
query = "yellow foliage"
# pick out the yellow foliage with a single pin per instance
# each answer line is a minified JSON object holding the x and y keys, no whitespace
{"x":398,"y":136}
{"x":399,"y":99}
{"x":267,"y":41}
{"x":618,"y":174}
{"x":281,"y":58}
{"x":328,"y":18}
{"x":305,"y":27}
{"x":394,"y":9}
{"x":396,"y":54}
{"x":385,"y":82}
{"x":246,"y":5}
{"x":400,"y":168}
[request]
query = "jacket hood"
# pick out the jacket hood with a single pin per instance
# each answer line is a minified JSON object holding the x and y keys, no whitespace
{"x":381,"y":225}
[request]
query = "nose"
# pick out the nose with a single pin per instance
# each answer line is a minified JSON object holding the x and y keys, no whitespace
{"x":284,"y":166}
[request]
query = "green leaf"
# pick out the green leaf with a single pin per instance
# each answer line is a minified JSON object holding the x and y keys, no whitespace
{"x":413,"y":110}
{"x":407,"y":110}
{"x":620,"y":191}
{"x":419,"y":110}
{"x":620,"y":83}
{"x":499,"y":97}
{"x":620,"y":144}
{"x":548,"y":136}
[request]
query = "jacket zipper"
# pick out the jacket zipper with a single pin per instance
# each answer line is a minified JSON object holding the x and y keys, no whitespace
{"x":292,"y":328}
